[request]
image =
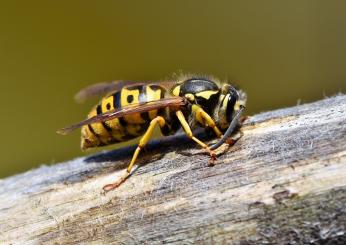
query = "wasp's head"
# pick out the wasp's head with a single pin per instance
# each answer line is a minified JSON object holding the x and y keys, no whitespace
{"x":230,"y":101}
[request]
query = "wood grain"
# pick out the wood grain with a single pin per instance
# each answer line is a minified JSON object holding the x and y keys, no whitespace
{"x":283,"y":181}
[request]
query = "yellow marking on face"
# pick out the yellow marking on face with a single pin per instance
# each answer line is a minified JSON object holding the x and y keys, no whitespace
{"x":222,"y":111}
{"x":176,"y":91}
{"x":131,"y":97}
{"x":225,"y":102}
{"x":206,"y":94}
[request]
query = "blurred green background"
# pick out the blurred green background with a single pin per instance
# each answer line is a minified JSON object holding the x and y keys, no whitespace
{"x":280,"y":52}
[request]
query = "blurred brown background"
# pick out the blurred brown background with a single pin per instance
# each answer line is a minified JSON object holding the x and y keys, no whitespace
{"x":280,"y":52}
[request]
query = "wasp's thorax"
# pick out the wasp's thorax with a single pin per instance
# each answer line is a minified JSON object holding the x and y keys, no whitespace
{"x":221,"y":103}
{"x":200,"y":91}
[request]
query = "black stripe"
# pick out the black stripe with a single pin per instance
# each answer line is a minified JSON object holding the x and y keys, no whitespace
{"x":104,"y":124}
{"x":98,"y":136}
{"x":122,"y":122}
{"x":91,"y":129}
{"x":116,"y":100}
{"x":162,"y":111}
{"x":107,"y":127}
{"x":99,"y":109}
{"x":117,"y":105}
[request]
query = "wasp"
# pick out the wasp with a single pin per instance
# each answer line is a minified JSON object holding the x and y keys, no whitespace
{"x":133,"y":109}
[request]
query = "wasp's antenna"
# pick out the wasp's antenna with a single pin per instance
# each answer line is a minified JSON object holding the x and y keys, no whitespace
{"x":230,"y":129}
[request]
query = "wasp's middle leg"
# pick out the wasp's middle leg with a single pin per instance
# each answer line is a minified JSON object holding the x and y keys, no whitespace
{"x":143,"y":141}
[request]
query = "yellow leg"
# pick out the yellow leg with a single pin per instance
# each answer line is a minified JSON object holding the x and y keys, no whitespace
{"x":204,"y":117}
{"x":143,"y":141}
{"x":188,"y":132}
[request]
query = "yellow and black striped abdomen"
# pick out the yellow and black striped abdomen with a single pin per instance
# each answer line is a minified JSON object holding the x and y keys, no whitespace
{"x":124,"y":128}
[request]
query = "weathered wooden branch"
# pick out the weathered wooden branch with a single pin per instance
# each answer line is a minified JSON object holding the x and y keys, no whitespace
{"x":283,"y":181}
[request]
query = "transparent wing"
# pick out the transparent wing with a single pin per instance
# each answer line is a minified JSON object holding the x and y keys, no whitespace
{"x":99,"y":89}
{"x":174,"y":102}
{"x":103,"y":88}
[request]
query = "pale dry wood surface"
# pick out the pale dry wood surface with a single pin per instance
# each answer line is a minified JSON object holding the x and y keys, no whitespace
{"x":283,"y":181}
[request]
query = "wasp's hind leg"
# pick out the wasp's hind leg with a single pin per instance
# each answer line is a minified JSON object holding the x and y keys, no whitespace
{"x":188,"y":132}
{"x":143,"y":141}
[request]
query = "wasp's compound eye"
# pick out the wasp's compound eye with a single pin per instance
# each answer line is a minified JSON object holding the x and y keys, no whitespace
{"x":232,"y":98}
